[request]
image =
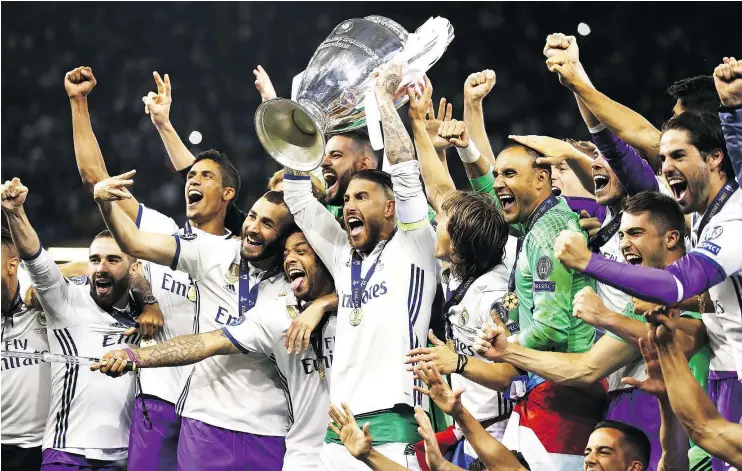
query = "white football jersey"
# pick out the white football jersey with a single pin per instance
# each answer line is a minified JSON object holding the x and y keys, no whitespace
{"x":613,"y":298}
{"x":369,"y":373}
{"x":264,"y":331}
{"x":90,"y":413}
{"x":465,"y":318}
{"x":719,"y":243}
{"x":25,"y":388}
{"x":216,"y":388}
{"x":171,"y":289}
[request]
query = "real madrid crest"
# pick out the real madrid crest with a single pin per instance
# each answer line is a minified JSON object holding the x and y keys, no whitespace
{"x":464,"y":317}
{"x":41,"y":318}
{"x":233,"y":274}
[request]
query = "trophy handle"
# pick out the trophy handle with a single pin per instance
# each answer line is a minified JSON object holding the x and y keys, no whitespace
{"x":292,"y":132}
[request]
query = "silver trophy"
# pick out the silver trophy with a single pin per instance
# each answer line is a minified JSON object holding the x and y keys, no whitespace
{"x":336,"y":94}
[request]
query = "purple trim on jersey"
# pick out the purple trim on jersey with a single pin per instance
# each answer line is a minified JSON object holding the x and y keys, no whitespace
{"x":695,"y":272}
{"x":731,"y":126}
{"x":631,"y":170}
{"x":722,"y":374}
{"x":154,"y":448}
{"x":288,"y":176}
{"x":208,"y":448}
{"x":34,"y":256}
{"x":139,"y":214}
{"x":593,"y":208}
{"x":55,"y":460}
{"x":725,"y":394}
{"x":234,"y":340}
{"x":641,"y":410}
{"x":176,"y":257}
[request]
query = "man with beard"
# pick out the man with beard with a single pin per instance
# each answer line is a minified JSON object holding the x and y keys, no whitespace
{"x":652,"y":234}
{"x":26,"y":384}
{"x":700,"y":175}
{"x":212,"y":184}
{"x":88,"y":423}
{"x":378,"y":270}
{"x":263,"y":332}
{"x":230,"y":277}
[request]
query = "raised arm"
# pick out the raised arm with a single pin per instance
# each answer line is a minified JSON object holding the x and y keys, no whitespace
{"x":476,"y":87}
{"x":157,"y":106}
{"x":397,"y":143}
{"x":158,"y":248}
{"x":78,"y":83}
{"x":438,"y":182}
{"x":728,"y":80}
{"x":179,"y":351}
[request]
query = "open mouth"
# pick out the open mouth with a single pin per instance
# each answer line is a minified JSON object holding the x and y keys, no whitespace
{"x":556,"y":191}
{"x":678,"y":186}
{"x":103,"y":286}
{"x":601,"y":181}
{"x":355,"y":225}
{"x":252,"y":242}
{"x":194,"y":196}
{"x":507,"y":201}
{"x":330,"y":178}
{"x":633,"y":259}
{"x":297,"y":276}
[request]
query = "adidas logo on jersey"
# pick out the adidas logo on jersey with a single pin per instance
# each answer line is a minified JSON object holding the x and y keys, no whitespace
{"x":230,"y":288}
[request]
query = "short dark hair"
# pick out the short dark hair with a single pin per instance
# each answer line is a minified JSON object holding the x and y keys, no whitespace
{"x":275,"y":197}
{"x":478,"y":233}
{"x":230,"y":175}
{"x":379,"y":177}
{"x":634,"y":437}
{"x":697,"y":94}
{"x":530,"y":151}
{"x":664,"y":211}
{"x":704,"y":132}
{"x":7,"y":242}
{"x":363,"y":141}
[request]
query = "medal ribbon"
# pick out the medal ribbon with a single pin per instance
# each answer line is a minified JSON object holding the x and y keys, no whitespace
{"x":358,"y":284}
{"x":716,"y":205}
{"x":545,"y":205}
{"x":249,"y":294}
{"x":605,"y":233}
{"x":454,"y":300}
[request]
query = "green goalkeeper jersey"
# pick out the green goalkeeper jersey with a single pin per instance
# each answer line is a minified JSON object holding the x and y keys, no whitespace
{"x":546,"y":288}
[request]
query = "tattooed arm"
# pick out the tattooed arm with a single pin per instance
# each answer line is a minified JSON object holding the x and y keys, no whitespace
{"x":397,"y":142}
{"x":150,"y":320}
{"x":183,"y":350}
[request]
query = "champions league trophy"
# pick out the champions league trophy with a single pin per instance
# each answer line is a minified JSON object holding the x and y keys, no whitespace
{"x":335,"y":93}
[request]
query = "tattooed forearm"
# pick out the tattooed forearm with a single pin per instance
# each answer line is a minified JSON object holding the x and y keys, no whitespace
{"x":391,"y":83}
{"x":185,"y":350}
{"x":397,"y":142}
{"x":140,"y":287}
{"x":290,"y":171}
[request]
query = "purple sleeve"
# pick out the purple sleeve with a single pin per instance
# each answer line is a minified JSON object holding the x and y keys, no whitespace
{"x":631,"y":170}
{"x":593,"y":208}
{"x":731,"y":125}
{"x":691,"y":275}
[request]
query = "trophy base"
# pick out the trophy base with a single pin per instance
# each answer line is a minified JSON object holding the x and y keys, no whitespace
{"x":290,"y":134}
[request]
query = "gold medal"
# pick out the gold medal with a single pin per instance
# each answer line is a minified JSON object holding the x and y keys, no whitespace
{"x":293,"y":312}
{"x":356,"y":316}
{"x":321,"y":368}
{"x":192,"y":295}
{"x":451,"y":345}
{"x":233,"y":274}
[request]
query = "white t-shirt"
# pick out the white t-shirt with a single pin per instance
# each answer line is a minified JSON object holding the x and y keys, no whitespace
{"x":720,"y":243}
{"x":26,"y":384}
{"x":216,"y":389}
{"x":465,"y":318}
{"x":264,"y":331}
{"x":170,"y":288}
{"x":369,"y":373}
{"x":90,"y":413}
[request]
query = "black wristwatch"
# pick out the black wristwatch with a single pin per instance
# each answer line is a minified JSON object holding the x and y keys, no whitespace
{"x":148,"y":299}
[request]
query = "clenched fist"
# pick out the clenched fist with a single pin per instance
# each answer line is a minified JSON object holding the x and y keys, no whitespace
{"x":13,"y":195}
{"x":571,"y":249}
{"x":479,"y":84}
{"x":79,"y":82}
{"x":728,"y":81}
{"x":560,"y":43}
{"x":588,"y":306}
{"x":454,"y":131}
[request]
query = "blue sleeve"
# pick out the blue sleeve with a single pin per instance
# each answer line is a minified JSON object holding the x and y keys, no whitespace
{"x":631,"y":169}
{"x":731,"y":126}
{"x":691,"y":275}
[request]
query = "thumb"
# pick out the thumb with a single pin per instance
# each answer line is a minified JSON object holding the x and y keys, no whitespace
{"x":434,"y":340}
{"x":457,"y":142}
{"x":632,"y":382}
{"x":367,"y":430}
{"x":584,"y":214}
{"x":130,"y":330}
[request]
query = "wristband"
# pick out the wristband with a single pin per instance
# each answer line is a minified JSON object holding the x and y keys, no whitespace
{"x":597,"y":128}
{"x":469,"y":154}
{"x":461,"y":362}
{"x":133,"y":357}
{"x":512,"y":338}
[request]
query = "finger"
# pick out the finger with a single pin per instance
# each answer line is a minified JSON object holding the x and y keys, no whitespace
{"x":119,"y":194}
{"x":435,"y":340}
{"x":422,"y":390}
{"x":547,"y":161}
{"x":336,"y":415}
{"x":527,"y":141}
{"x":348,"y":413}
{"x":307,"y":335}
{"x":130,"y":330}
{"x":420,"y":359}
{"x":428,"y":90}
{"x":126,"y":175}
{"x":299,"y":337}
{"x":95,"y":367}
{"x":457,"y":142}
{"x":449,"y":112}
{"x":332,"y":427}
{"x":420,"y":373}
{"x":632,"y":382}
{"x":367,"y":430}
{"x":441,"y":109}
{"x":291,"y":336}
{"x":160,"y":84}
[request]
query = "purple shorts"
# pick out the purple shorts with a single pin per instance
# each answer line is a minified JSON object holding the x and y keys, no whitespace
{"x":153,"y":444}
{"x":641,"y":410}
{"x":208,"y":448}
{"x":55,"y":460}
{"x":725,"y":391}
